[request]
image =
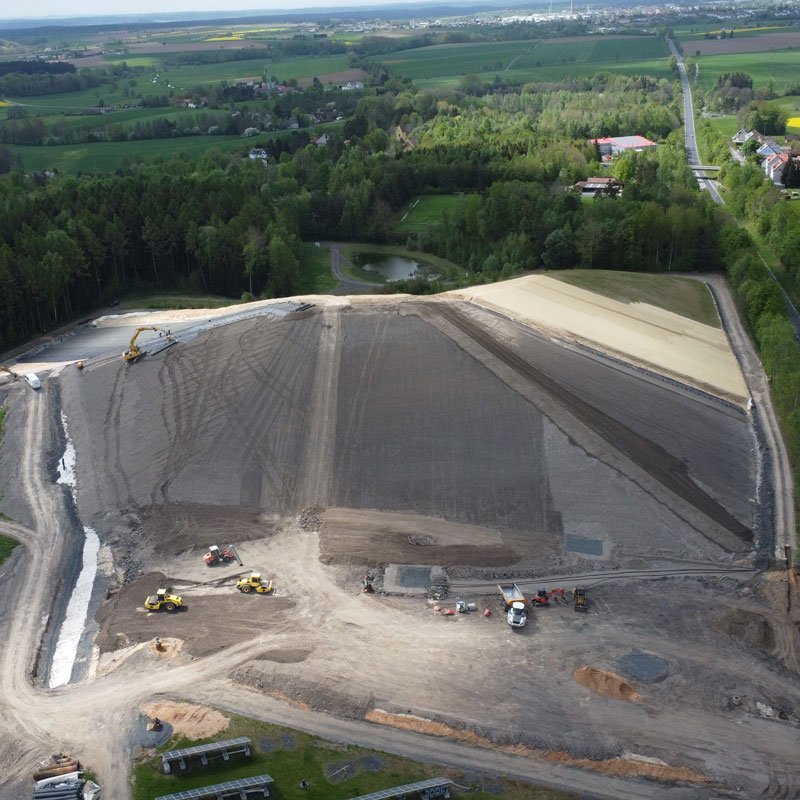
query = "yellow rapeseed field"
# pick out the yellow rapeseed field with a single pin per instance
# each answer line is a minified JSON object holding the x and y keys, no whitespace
{"x":744,"y":30}
{"x":793,"y":122}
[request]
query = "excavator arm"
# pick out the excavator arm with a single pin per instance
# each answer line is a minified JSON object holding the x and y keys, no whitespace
{"x":12,"y":374}
{"x":133,"y":352}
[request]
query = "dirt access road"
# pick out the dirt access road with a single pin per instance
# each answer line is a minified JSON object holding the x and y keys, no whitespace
{"x":357,"y":380}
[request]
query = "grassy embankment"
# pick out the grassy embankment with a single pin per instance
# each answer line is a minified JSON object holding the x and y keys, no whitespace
{"x":333,"y":770}
{"x":684,"y":296}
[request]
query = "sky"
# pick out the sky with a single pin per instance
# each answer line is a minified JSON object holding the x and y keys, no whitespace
{"x":70,"y":8}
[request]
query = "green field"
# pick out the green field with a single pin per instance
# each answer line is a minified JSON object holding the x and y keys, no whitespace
{"x":740,"y":32}
{"x":520,"y":60}
{"x":781,"y":67}
{"x":315,"y":270}
{"x":285,"y":69}
{"x":107,"y":156}
{"x":127,"y":115}
{"x":426,"y":210}
{"x":726,"y":126}
{"x":683,"y":296}
{"x":334,"y":771}
{"x":655,"y":68}
{"x":88,"y":98}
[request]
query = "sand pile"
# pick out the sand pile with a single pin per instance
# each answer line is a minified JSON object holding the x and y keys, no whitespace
{"x":192,"y":721}
{"x":606,"y":684}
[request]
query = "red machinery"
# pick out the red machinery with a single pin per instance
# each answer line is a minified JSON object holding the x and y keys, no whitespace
{"x":214,"y":556}
{"x":542,"y":597}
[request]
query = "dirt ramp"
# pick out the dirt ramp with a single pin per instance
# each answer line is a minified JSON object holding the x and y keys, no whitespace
{"x":606,"y":684}
{"x":360,"y":536}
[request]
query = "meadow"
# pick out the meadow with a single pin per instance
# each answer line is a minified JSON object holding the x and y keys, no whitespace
{"x":426,"y":210}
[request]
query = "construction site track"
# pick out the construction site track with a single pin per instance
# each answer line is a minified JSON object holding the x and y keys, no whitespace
{"x":593,"y":578}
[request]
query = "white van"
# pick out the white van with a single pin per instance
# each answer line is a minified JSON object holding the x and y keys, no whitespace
{"x":32,"y":379}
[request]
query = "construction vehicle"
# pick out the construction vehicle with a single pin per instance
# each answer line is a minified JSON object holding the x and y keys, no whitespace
{"x":214,"y":556}
{"x":253,"y":583}
{"x":134,"y":352}
{"x":579,"y":598}
{"x":162,"y":599}
{"x":7,"y":370}
{"x":542,"y":597}
{"x":513,"y":601}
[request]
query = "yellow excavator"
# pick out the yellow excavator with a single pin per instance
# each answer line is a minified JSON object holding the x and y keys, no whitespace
{"x":133,"y":352}
{"x":12,"y":374}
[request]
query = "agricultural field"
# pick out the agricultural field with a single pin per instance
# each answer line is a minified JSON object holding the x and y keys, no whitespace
{"x":285,"y":69}
{"x":744,"y":44}
{"x":540,"y":60}
{"x":655,"y":68}
{"x":739,"y":32}
{"x":781,"y":68}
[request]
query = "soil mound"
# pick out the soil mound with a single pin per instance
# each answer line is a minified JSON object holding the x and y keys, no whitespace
{"x":748,"y":625}
{"x":606,"y":684}
{"x":193,"y":721}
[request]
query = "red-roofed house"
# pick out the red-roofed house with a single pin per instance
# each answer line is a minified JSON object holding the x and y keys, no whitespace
{"x":774,"y":166}
{"x":614,"y":145}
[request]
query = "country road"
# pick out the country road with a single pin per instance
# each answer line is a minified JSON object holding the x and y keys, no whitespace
{"x":757,"y":383}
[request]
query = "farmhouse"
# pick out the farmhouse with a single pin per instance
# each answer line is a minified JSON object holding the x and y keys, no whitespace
{"x":614,"y":145}
{"x":258,"y":152}
{"x":596,"y":186}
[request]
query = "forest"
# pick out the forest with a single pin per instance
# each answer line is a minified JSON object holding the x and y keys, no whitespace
{"x":227,"y":225}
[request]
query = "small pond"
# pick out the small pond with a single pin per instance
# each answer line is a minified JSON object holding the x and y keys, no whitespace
{"x":395,"y":268}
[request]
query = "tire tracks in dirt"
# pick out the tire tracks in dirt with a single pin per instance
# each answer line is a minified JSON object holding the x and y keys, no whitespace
{"x":316,"y":470}
{"x":671,"y":473}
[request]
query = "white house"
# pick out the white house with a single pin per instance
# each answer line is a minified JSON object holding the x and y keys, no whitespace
{"x":774,"y":166}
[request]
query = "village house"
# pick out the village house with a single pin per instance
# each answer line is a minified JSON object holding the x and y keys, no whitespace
{"x":774,"y":166}
{"x":258,"y":152}
{"x":614,"y":145}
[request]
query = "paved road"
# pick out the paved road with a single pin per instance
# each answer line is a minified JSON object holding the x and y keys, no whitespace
{"x":688,"y":117}
{"x":742,"y":346}
{"x":347,"y":285}
{"x":706,"y":183}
